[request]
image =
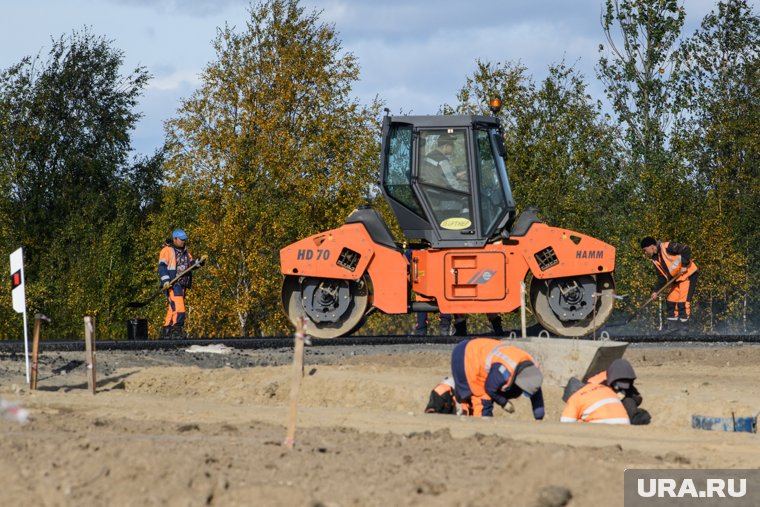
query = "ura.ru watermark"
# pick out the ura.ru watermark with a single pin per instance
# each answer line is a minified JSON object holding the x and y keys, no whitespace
{"x":725,"y":488}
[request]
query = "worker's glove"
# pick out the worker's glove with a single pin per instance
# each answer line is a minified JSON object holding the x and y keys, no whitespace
{"x":166,"y":286}
{"x":202,"y":260}
{"x":508,"y":407}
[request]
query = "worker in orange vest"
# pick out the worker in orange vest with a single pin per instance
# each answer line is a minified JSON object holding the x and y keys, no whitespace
{"x":593,"y":403}
{"x":620,"y":377}
{"x":488,"y":371}
{"x":673,"y":260}
{"x":174,"y":259}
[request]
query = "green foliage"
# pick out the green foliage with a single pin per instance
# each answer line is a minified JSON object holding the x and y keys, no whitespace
{"x":718,"y":136}
{"x":69,"y":191}
{"x":563,"y":153}
{"x":697,"y":182}
{"x":638,"y":71}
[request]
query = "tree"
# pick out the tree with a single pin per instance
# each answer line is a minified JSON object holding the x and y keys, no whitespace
{"x":639,"y":73}
{"x":637,"y":70}
{"x":270,"y":149}
{"x":71,"y":192}
{"x":507,"y":81}
{"x":562,"y":153}
{"x":718,"y":135}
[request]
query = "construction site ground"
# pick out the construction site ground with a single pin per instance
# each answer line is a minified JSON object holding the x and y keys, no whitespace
{"x":181,"y":428}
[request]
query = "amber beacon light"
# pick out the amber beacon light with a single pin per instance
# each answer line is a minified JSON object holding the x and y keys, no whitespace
{"x":495,"y":105}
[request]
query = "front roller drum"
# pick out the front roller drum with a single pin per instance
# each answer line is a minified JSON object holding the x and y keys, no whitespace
{"x":334,"y":307}
{"x":573,"y":306}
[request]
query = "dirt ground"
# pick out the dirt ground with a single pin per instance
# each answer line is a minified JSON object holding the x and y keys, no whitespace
{"x":179,"y":428}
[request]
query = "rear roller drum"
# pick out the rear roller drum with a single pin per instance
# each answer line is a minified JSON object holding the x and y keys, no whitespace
{"x":573,"y":306}
{"x":333,"y":307}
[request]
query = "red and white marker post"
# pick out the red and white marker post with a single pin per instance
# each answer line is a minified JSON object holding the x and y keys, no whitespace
{"x":19,"y":298}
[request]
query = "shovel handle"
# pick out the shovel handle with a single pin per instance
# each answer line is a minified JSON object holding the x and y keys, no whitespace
{"x":656,"y":295}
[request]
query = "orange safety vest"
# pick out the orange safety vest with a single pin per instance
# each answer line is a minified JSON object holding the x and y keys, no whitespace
{"x":169,"y":259}
{"x":443,"y":388}
{"x":482,"y":353}
{"x":672,"y":266}
{"x":595,"y":403}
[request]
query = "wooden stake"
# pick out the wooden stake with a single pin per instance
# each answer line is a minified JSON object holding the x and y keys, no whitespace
{"x":94,"y":355}
{"x":295,"y":386}
{"x":89,"y":344}
{"x":35,"y":351}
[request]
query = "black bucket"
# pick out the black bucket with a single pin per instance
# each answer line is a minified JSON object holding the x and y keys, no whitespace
{"x":137,"y":329}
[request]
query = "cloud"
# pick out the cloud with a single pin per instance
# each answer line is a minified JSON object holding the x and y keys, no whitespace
{"x":415,"y":55}
{"x":194,"y":8}
{"x":431,"y":69}
{"x":176,"y":80}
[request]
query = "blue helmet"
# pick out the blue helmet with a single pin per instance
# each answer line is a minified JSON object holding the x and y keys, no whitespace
{"x":179,"y":234}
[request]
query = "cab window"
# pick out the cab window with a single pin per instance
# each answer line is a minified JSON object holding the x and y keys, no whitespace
{"x":398,"y":180}
{"x":444,"y":177}
{"x":493,"y":202}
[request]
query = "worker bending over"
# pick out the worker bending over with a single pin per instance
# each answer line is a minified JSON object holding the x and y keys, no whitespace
{"x":488,"y":371}
{"x":673,"y":260}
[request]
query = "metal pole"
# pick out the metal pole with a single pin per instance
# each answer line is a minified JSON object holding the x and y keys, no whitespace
{"x":659,"y":311}
{"x":26,"y":350}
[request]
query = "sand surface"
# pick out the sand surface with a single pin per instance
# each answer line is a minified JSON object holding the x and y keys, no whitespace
{"x":200,"y":429}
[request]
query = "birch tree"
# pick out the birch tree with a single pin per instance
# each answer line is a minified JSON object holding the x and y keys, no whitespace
{"x":270,"y":149}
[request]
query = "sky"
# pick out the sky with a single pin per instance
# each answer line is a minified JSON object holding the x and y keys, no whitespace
{"x":414,"y":54}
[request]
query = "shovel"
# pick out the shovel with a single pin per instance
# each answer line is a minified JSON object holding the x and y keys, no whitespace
{"x":645,"y":304}
{"x":139,"y":304}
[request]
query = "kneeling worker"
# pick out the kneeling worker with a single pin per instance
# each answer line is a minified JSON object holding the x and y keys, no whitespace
{"x":488,"y":371}
{"x":442,"y":399}
{"x":620,"y":377}
{"x":592,"y":403}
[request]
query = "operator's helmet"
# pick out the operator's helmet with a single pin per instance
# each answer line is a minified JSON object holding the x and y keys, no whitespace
{"x":620,"y":374}
{"x":179,"y":234}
